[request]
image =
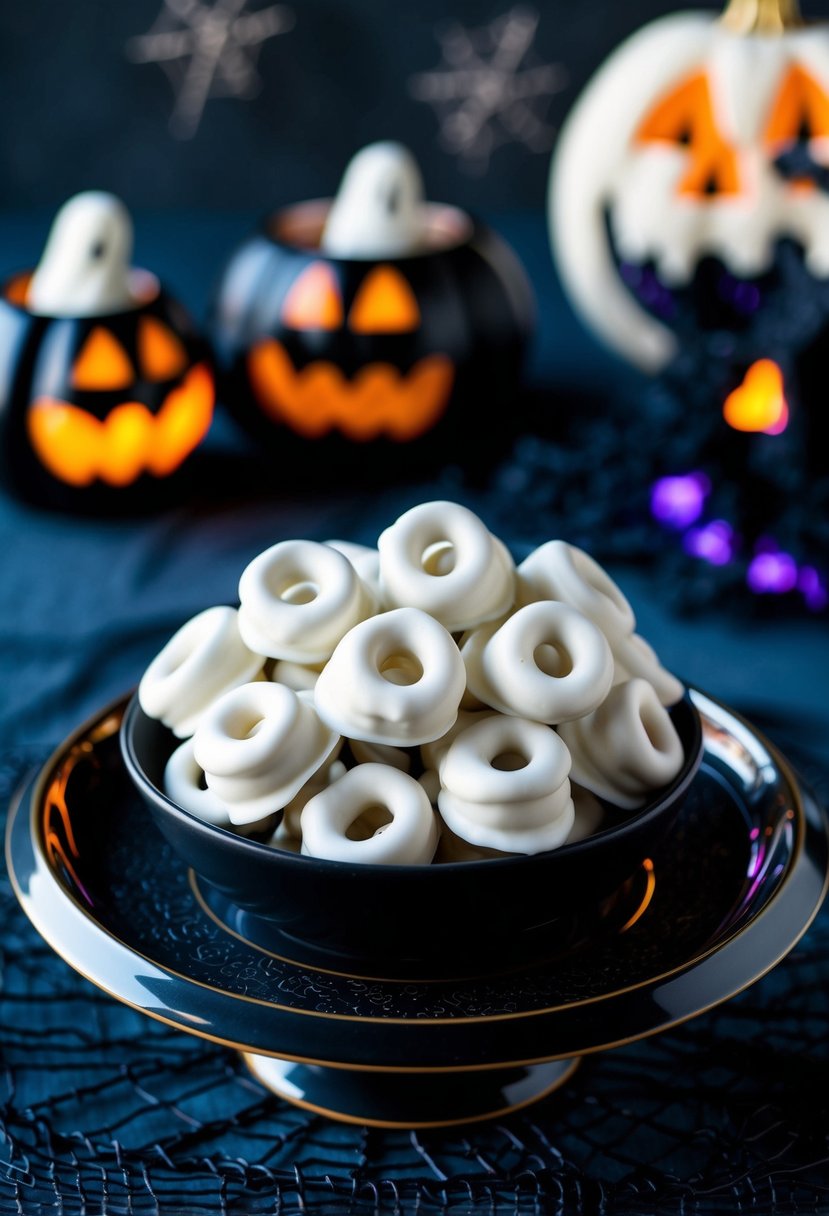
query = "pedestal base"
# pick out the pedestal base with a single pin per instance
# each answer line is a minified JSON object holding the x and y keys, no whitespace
{"x":418,"y":1099}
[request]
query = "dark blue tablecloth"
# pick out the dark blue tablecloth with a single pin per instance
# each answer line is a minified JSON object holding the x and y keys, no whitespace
{"x":84,"y":604}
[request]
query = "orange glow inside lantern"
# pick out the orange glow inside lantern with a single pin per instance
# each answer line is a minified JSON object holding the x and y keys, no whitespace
{"x":759,"y":403}
{"x":381,"y":397}
{"x":78,"y":448}
{"x":132,"y":400}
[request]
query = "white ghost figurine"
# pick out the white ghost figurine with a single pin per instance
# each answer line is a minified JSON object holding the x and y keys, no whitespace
{"x":379,"y":211}
{"x":84,"y":270}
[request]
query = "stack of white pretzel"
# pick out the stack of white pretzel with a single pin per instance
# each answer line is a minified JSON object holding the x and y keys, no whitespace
{"x":425,"y":697}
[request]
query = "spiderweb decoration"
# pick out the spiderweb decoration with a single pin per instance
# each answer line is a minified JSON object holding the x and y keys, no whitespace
{"x":105,"y":1110}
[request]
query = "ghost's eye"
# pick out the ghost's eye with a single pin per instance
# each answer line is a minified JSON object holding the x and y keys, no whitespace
{"x":393,"y":200}
{"x":97,"y":251}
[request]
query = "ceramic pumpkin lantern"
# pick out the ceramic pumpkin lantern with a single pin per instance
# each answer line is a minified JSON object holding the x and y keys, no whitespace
{"x":376,"y":323}
{"x":105,"y":388}
{"x":689,"y":190}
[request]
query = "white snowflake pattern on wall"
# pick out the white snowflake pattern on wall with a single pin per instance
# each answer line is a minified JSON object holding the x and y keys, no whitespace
{"x":490,"y":89}
{"x":208,"y":50}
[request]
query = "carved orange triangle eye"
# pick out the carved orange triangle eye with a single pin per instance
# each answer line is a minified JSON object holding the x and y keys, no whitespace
{"x":686,"y":117}
{"x":385,"y":304}
{"x":161,"y":354}
{"x":102,"y":363}
{"x":314,"y":301}
{"x":800,"y":110}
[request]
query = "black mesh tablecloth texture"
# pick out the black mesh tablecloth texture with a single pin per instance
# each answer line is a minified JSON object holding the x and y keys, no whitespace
{"x":103,"y":1110}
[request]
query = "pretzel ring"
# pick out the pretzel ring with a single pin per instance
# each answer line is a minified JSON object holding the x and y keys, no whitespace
{"x":365,"y":560}
{"x":258,"y":745}
{"x":298,"y":598}
{"x":627,"y":748}
{"x":546,"y":662}
{"x":289,"y":832}
{"x":505,"y":786}
{"x":558,"y":571}
{"x":441,"y":558}
{"x":374,"y":815}
{"x":396,"y":678}
{"x":184,"y":785}
{"x":204,"y":659}
{"x":636,"y":658}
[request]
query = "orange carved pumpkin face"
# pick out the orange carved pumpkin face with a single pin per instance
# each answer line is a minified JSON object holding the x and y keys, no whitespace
{"x":129,"y":403}
{"x":698,"y":143}
{"x":687,"y":116}
{"x":380,"y":397}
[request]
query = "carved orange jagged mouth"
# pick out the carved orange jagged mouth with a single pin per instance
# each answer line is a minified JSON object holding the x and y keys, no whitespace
{"x":379,"y":400}
{"x":77,"y":448}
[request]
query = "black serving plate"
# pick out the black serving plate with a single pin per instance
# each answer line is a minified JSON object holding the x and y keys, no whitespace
{"x":406,"y":921}
{"x":724,"y":896}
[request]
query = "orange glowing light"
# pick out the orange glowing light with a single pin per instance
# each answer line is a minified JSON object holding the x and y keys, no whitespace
{"x":77,"y":448}
{"x":385,"y":304}
{"x":55,"y":801}
{"x":686,"y":117}
{"x":650,"y":888}
{"x":102,"y":363}
{"x":314,"y":301}
{"x":160,"y":352}
{"x":18,"y":289}
{"x":56,"y":795}
{"x":316,"y":399}
{"x":759,"y":403}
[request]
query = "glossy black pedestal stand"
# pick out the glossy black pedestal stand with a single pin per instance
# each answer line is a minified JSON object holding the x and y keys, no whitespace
{"x":423,"y":1099}
{"x":725,"y":896}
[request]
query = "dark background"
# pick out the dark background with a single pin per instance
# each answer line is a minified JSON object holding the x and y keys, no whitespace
{"x":79,"y":113}
{"x":729,"y":1112}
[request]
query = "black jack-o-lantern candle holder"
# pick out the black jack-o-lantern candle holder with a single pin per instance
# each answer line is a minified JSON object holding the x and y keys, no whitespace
{"x":397,"y":357}
{"x":100,"y":411}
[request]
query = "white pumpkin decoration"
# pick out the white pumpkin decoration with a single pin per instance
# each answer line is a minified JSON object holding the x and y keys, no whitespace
{"x":669,"y":156}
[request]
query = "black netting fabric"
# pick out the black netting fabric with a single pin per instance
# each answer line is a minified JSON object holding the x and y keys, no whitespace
{"x":596,"y":472}
{"x":104,"y":1111}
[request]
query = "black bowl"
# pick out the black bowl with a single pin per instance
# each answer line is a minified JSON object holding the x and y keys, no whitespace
{"x":461,"y":917}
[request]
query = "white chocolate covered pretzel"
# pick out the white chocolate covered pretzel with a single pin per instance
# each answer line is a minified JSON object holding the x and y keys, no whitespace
{"x":297,"y":600}
{"x":441,"y":558}
{"x":380,"y":753}
{"x":547,"y":662}
{"x":373,"y":815}
{"x":505,"y":786}
{"x":558,"y":571}
{"x":258,"y":745}
{"x":366,"y":561}
{"x":297,"y":676}
{"x":453,"y":848}
{"x":201,"y":661}
{"x":636,"y":658}
{"x":589,"y":814}
{"x":397,"y":678}
{"x":289,"y":826}
{"x":433,"y":753}
{"x":626,"y":749}
{"x":184,"y":783}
